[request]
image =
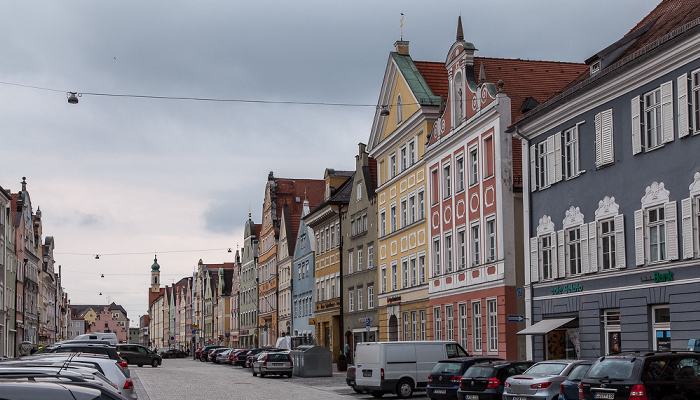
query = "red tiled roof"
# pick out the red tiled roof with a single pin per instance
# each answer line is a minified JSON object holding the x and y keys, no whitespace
{"x":288,"y":190}
{"x":671,"y":14}
{"x":435,"y":75}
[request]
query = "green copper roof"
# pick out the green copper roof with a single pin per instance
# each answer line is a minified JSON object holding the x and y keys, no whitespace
{"x":155,"y":266}
{"x":415,"y":80}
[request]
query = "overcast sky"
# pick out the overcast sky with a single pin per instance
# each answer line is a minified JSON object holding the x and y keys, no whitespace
{"x":116,"y":175}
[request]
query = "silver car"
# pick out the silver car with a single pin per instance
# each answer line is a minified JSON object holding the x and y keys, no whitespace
{"x":541,"y":381}
{"x":12,"y":390}
{"x":277,"y":363}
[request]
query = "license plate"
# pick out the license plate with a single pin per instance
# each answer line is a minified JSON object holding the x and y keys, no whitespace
{"x":277,"y":364}
{"x":439,"y":391}
{"x":367,"y":373}
{"x":519,"y":398}
{"x":603,"y":395}
{"x":471,"y":397}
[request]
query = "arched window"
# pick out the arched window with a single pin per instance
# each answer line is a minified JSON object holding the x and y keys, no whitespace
{"x":399,"y":110}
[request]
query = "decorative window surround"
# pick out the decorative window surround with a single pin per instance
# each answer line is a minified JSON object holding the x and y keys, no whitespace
{"x":656,"y":198}
{"x":608,"y":211}
{"x":639,"y":134}
{"x":690,"y":213}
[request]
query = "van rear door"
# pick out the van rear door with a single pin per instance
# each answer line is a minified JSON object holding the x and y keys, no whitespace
{"x":368,"y":371}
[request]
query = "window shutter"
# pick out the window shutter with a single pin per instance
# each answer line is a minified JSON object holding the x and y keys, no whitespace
{"x":533,"y":168}
{"x":620,"y":258}
{"x":551,"y":162}
{"x":557,"y":157}
{"x":638,"y":237}
{"x":671,"y":230}
{"x":683,"y":123}
{"x":598,"y":140}
{"x":593,"y":247}
{"x":636,"y":127}
{"x":559,"y":254}
{"x":585,"y":266}
{"x":667,"y":111}
{"x":534,"y":260}
{"x":687,"y":218}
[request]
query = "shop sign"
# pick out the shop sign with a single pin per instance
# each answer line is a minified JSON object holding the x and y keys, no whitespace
{"x":663,"y":276}
{"x":393,"y":299}
{"x":570,"y":288}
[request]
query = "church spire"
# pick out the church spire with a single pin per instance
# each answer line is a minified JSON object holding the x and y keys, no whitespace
{"x":460,"y":33}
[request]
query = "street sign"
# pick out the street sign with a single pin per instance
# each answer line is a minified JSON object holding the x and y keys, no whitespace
{"x":367,"y":321}
{"x":519,"y":292}
{"x":516,"y":318}
{"x":194,"y":326}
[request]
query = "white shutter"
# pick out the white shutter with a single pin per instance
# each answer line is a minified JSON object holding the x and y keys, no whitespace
{"x":560,"y":254}
{"x":534,"y":260}
{"x":557,"y":157}
{"x":636,"y":128}
{"x":667,"y":111}
{"x":533,"y":168}
{"x":687,"y":218}
{"x":638,"y":237}
{"x":598,"y":140}
{"x":620,"y":258}
{"x":683,"y":123}
{"x":550,"y":161}
{"x":606,"y":137}
{"x":671,"y":230}
{"x":593,"y":247}
{"x":585,"y":266}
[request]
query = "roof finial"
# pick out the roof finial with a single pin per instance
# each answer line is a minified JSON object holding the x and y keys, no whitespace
{"x":401,"y":27}
{"x":460,"y":33}
{"x":482,"y":74}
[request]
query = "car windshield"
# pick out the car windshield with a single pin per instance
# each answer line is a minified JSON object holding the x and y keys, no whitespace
{"x":447,"y":368}
{"x":546,"y":368}
{"x":479,"y":372}
{"x":277,"y":357}
{"x":578,"y":372}
{"x":612,"y":369}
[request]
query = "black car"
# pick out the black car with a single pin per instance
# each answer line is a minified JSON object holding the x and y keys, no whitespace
{"x":204,"y":355}
{"x":350,"y":379}
{"x":569,"y":388}
{"x":173,"y":353}
{"x":139,"y":355}
{"x":650,"y":376}
{"x":240,"y":358}
{"x":484,"y":381}
{"x":108,"y":350}
{"x":444,"y":379}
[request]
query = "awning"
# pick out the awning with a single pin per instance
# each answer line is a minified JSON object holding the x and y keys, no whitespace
{"x":545,"y":326}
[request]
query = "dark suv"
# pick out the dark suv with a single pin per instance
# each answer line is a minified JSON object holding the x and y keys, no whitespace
{"x":139,"y":355}
{"x":484,"y":381}
{"x":649,"y":376}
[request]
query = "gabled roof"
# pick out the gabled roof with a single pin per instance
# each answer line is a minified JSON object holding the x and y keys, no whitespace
{"x":416,"y":81}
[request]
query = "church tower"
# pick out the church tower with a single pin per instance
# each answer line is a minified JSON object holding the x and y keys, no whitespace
{"x":155,"y":276}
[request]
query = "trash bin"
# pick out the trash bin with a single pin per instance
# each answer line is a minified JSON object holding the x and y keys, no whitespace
{"x":312,"y":360}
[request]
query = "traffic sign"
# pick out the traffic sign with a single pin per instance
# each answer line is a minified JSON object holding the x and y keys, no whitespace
{"x":516,"y":318}
{"x":367,"y":321}
{"x":194,"y":326}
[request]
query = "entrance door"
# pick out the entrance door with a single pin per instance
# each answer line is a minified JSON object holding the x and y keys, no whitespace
{"x":393,"y":329}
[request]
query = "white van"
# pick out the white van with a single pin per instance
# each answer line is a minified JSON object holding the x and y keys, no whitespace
{"x":400,"y":367}
{"x":111,"y":337}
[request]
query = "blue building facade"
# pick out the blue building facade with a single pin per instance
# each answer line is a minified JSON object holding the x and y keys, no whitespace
{"x":612,"y":197}
{"x":303,"y":281}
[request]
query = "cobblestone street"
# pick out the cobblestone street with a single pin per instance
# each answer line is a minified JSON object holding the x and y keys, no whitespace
{"x":189,"y":379}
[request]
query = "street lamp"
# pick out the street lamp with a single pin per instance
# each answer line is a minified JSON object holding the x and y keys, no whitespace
{"x":73,"y":97}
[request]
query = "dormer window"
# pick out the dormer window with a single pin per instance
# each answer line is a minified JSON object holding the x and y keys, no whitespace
{"x":595,"y":67}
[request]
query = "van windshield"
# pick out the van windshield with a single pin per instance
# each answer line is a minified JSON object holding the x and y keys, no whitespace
{"x":454,"y":350}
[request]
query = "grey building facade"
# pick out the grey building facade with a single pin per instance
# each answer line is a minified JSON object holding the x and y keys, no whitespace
{"x":302,"y":285}
{"x":359,"y":267}
{"x":613,"y":176}
{"x":248,"y":289}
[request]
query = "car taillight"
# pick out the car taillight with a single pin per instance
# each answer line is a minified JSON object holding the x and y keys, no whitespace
{"x":129,"y":385}
{"x":265,"y":362}
{"x":580,"y":390}
{"x":456,"y":379}
{"x":561,"y":388}
{"x":382,"y":374}
{"x":493,"y":383}
{"x":543,"y":385}
{"x":291,"y":363}
{"x":638,"y":392}
{"x":507,"y":384}
{"x":123,"y":364}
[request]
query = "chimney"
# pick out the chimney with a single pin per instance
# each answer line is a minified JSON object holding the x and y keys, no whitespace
{"x":362,"y":155}
{"x":401,"y":47}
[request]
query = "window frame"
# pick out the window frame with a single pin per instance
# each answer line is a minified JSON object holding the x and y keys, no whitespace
{"x":473,"y":166}
{"x":646,"y":110}
{"x":476,"y":326}
{"x":446,"y":180}
{"x":437,"y":322}
{"x":571,"y":153}
{"x":459,"y":173}
{"x":492,"y":324}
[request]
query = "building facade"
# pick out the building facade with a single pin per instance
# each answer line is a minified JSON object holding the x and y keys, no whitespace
{"x":303,"y":303}
{"x":248,"y":288}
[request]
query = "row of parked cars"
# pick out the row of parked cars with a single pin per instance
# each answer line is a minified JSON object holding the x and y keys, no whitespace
{"x":395,"y":367}
{"x":75,"y":369}
{"x":262,"y":360}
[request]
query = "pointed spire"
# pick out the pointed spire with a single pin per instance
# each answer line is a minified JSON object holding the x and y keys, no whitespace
{"x":460,"y":33}
{"x":482,"y":74}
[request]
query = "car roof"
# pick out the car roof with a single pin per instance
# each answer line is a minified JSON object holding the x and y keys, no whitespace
{"x":467,"y":359}
{"x":501,"y":364}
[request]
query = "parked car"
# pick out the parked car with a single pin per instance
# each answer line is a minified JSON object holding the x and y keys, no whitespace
{"x":204,"y":353}
{"x":241,"y":357}
{"x":541,"y":381}
{"x":220,"y":357}
{"x":213,"y":353}
{"x":484,"y":381}
{"x":89,"y":376}
{"x":92,"y":348}
{"x":569,"y":388}
{"x":24,"y":389}
{"x":139,"y":355}
{"x":173,"y":353}
{"x":111,"y":337}
{"x":254,"y":352}
{"x":232,"y":355}
{"x":445,"y":376}
{"x":273,"y":363}
{"x":651,"y":376}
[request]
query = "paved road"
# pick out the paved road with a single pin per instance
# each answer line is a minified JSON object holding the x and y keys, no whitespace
{"x":188,"y":379}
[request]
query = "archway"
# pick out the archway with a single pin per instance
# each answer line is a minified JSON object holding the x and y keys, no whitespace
{"x":393,"y":329}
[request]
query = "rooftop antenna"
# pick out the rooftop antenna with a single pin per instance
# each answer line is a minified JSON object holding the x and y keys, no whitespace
{"x":401,"y":27}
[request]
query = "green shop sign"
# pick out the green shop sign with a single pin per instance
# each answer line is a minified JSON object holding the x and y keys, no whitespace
{"x":663,"y":276}
{"x":570,"y":288}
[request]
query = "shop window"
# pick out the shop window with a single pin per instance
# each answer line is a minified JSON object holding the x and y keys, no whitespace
{"x":613,"y":336}
{"x":661,"y":321}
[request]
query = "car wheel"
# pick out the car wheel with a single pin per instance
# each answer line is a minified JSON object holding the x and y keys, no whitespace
{"x":356,"y":390}
{"x":289,"y":375}
{"x":254,"y":373}
{"x":404,"y":388}
{"x":377,"y":395}
{"x":154,"y":363}
{"x":262,"y":375}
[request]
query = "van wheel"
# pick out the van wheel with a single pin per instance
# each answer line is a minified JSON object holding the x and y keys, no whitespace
{"x":357,"y":390}
{"x":377,"y":395}
{"x":404,"y":388}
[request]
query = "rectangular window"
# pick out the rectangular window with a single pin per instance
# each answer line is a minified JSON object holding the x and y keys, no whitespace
{"x":404,"y":214}
{"x":449,"y":323}
{"x":476,"y":256}
{"x":542,"y":165}
{"x":358,"y":190}
{"x":653,"y":135}
{"x":446,"y":181}
{"x":405,"y":325}
{"x":350,"y":265}
{"x":370,"y":257}
{"x":656,"y":234}
{"x":661,"y":320}
{"x":488,"y":157}
{"x":491,"y":239}
{"x":695,"y":89}
{"x":435,"y":187}
{"x":607,"y":238}
{"x":573,"y":250}
{"x":436,"y":257}
{"x":392,"y":165}
{"x":359,"y":299}
{"x":437,"y":318}
{"x":364,"y":223}
{"x":462,"y":248}
{"x":412,"y":151}
{"x":492,"y":310}
{"x":383,"y":279}
{"x":352,"y":227}
{"x":422,"y":325}
{"x":463,"y":329}
{"x":412,"y":267}
{"x":474,"y":165}
{"x":337,"y":233}
{"x":380,"y":168}
{"x":421,"y":205}
{"x":329,"y":244}
{"x":370,"y":297}
{"x":459,"y":178}
{"x":613,"y":340}
{"x":392,"y":217}
{"x":404,"y":158}
{"x":448,"y":253}
{"x":359,"y":260}
{"x":351,"y":300}
{"x":414,"y":326}
{"x":382,"y":223}
{"x":546,"y":256}
{"x":476,"y":326}
{"x":421,"y":268}
{"x":404,"y":273}
{"x":394,"y":277}
{"x":411,"y":209}
{"x":571,"y":152}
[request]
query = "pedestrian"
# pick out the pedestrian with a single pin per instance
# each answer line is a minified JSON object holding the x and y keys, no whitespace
{"x":347,"y":352}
